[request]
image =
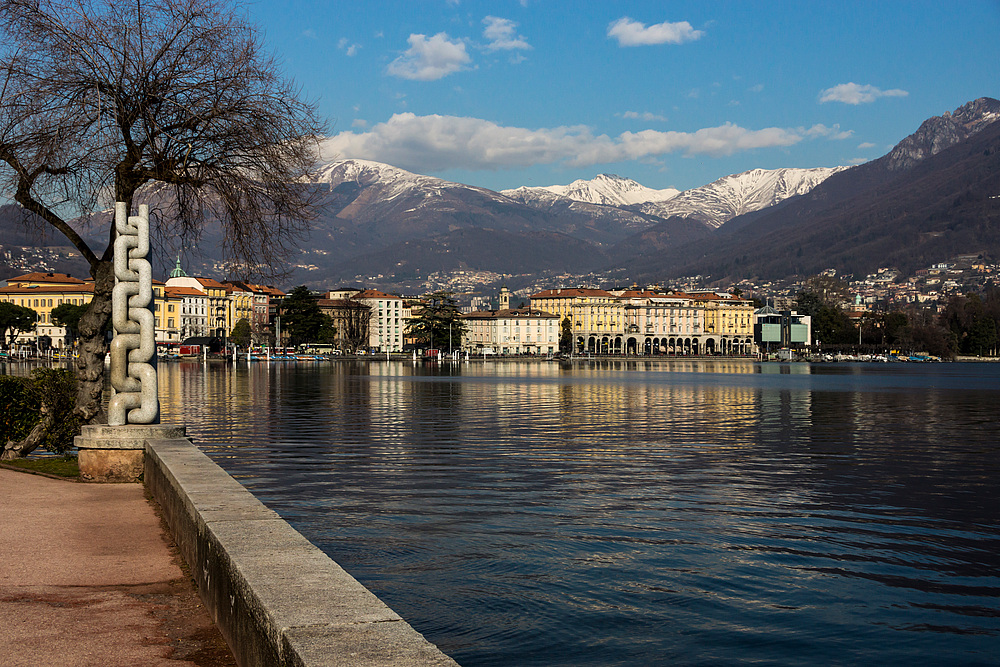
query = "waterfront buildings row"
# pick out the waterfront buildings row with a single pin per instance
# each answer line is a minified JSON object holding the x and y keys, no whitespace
{"x":594,"y":321}
{"x":187,"y":307}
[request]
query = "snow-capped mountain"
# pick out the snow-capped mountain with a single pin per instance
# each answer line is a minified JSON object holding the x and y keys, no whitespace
{"x":605,"y":189}
{"x":392,"y":181}
{"x":932,"y":196}
{"x":730,"y":196}
{"x":385,"y":200}
{"x":711,"y":204}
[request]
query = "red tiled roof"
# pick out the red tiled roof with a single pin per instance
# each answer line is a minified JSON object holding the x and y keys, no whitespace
{"x":183,"y":291}
{"x":374,"y":294}
{"x":566,"y":292}
{"x":510,"y":313}
{"x":49,"y":289}
{"x":40,"y":277}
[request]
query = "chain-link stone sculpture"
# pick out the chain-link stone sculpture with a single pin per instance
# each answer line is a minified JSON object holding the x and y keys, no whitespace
{"x":133,"y":350}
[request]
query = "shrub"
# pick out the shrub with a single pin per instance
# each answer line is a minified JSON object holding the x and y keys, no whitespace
{"x":24,"y":398}
{"x":19,"y":408}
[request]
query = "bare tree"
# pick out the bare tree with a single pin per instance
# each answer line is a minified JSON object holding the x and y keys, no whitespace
{"x":355,"y":323}
{"x":101,"y":100}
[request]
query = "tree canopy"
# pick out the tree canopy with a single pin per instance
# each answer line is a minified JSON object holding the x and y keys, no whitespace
{"x":437,"y":321}
{"x":175,"y":101}
{"x":240,"y":334}
{"x":15,"y":319}
{"x":566,"y":335}
{"x":302,"y":319}
{"x":830,"y":324}
{"x":68,"y":315}
{"x":974,"y":322}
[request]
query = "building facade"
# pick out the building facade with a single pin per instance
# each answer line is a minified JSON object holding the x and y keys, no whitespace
{"x":43,"y":292}
{"x":658,"y":323}
{"x":597,"y":317}
{"x":387,"y":324}
{"x":511,"y":331}
{"x":728,"y":323}
{"x":776,"y":329}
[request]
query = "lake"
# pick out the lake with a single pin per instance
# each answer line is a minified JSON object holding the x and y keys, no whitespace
{"x":678,"y":512}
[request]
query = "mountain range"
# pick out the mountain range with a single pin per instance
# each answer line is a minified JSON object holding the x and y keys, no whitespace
{"x":935,"y":194}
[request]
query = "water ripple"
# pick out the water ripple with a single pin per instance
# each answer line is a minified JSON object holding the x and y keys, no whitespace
{"x":696,"y":513}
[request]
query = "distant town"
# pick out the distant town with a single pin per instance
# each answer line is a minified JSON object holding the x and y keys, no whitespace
{"x":591,"y":314}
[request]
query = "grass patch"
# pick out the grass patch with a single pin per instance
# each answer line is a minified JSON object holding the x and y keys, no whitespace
{"x":61,"y":466}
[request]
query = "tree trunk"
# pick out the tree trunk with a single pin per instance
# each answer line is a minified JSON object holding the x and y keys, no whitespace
{"x":14,"y":450}
{"x":92,"y":348}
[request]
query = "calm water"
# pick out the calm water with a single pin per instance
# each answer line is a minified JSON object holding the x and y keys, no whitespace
{"x":678,"y":513}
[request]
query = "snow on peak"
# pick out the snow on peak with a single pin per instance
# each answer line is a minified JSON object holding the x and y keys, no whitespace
{"x":607,"y":189}
{"x":392,"y":181}
{"x":364,"y":170}
{"x":734,"y":195}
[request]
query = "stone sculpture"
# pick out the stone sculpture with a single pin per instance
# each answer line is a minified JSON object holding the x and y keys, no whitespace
{"x":133,"y":349}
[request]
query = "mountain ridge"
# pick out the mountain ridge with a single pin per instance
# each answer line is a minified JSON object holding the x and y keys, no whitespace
{"x":379,"y":220}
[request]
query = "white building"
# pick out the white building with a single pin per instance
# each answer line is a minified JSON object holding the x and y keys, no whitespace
{"x":659,"y":323}
{"x":511,"y":331}
{"x":388,"y":322}
{"x":193,"y":317}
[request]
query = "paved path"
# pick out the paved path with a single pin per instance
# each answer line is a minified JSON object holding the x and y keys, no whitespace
{"x":87,"y":577}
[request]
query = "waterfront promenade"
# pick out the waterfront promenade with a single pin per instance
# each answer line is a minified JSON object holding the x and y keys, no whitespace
{"x":89,"y":577}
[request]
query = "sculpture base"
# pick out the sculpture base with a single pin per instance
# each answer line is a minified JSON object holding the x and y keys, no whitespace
{"x":115,"y":453}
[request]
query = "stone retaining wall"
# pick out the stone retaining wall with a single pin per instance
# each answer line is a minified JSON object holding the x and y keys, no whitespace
{"x":277,"y":599}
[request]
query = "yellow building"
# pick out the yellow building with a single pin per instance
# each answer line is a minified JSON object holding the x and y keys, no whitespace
{"x":241,"y":306}
{"x":728,"y":322}
{"x":597,"y":317}
{"x":166,"y":314}
{"x":662,"y":323}
{"x":43,"y":292}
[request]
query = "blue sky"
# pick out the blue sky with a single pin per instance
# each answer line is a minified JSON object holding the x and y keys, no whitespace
{"x":672,"y":94}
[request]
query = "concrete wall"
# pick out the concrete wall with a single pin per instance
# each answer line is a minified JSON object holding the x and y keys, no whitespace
{"x":276,"y":598}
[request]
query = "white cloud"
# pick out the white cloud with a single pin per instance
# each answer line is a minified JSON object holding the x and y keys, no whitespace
{"x":757,"y":89}
{"x":436,"y":143}
{"x":833,"y":133}
{"x":345,"y":45}
{"x":359,"y":122}
{"x":502,"y":35}
{"x":645,"y":115}
{"x":633,"y":33}
{"x":430,"y":59}
{"x":855,"y":93}
{"x":866,"y":145}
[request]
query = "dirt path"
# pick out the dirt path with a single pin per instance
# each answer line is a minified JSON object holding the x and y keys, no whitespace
{"x":89,"y":577}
